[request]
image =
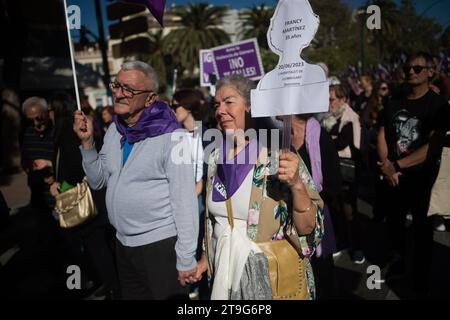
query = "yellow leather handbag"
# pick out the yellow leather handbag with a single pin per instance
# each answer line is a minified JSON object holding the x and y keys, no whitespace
{"x":75,"y":205}
{"x":286,"y":267}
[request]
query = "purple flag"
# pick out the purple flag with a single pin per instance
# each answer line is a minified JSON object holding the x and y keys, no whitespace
{"x":156,"y":7}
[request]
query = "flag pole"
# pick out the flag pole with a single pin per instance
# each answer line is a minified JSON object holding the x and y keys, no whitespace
{"x":72,"y":59}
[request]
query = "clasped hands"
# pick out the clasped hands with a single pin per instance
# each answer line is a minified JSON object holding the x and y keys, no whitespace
{"x":388,"y":170}
{"x":194,"y":275}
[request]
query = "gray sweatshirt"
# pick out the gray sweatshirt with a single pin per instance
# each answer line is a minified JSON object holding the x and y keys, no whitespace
{"x":150,"y":198}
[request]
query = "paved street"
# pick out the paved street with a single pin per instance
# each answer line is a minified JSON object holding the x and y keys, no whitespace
{"x":351,"y":278}
{"x":34,"y":267}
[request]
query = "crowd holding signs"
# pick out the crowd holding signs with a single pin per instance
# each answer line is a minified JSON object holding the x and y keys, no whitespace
{"x":235,"y":58}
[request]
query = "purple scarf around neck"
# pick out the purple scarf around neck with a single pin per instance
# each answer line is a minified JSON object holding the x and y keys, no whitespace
{"x":231,"y":173}
{"x":156,"y":120}
{"x":312,"y":138}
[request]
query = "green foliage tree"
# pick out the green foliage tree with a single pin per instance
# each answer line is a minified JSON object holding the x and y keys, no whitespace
{"x":156,"y":57}
{"x":385,"y":38}
{"x":337,"y":42}
{"x":198,"y":30}
{"x":336,"y":38}
{"x":418,"y":33}
{"x":256,"y":22}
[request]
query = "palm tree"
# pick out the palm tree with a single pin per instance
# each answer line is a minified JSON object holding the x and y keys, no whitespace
{"x":385,"y":37}
{"x":199,"y":30}
{"x":156,"y":57}
{"x":256,"y":22}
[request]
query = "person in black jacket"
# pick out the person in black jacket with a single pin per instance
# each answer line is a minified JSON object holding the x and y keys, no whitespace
{"x":344,"y":127}
{"x":93,"y":236}
{"x":319,"y":154}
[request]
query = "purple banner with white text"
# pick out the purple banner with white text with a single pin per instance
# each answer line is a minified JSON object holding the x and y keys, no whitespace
{"x":242,"y":58}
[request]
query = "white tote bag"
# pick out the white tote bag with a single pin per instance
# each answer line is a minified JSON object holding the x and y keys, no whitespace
{"x":440,"y":193}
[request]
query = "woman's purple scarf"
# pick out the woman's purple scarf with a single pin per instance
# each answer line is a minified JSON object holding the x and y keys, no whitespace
{"x":328,"y":244}
{"x":231,"y":173}
{"x":312,"y":138}
{"x":156,"y":120}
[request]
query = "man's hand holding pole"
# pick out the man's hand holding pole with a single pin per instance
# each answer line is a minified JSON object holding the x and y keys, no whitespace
{"x":84,"y":128}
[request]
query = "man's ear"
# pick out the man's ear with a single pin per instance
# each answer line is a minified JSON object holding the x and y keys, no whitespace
{"x":151,"y":98}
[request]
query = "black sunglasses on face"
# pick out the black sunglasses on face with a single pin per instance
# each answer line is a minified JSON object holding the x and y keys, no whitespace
{"x":417,"y":69}
{"x":126,"y":90}
{"x":383,"y":88}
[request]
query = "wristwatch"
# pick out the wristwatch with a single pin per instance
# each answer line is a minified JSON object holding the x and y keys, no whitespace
{"x":396,"y":166}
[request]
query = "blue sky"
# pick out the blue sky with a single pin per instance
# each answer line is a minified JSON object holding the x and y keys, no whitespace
{"x":437,"y":9}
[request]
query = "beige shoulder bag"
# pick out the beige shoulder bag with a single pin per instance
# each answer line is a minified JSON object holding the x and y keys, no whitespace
{"x":76,"y":205}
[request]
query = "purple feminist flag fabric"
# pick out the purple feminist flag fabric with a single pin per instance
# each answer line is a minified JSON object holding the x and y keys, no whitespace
{"x":156,"y":7}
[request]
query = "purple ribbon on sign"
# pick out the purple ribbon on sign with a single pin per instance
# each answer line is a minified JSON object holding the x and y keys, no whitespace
{"x":156,"y":7}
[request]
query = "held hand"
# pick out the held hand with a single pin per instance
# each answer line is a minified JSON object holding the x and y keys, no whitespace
{"x":202,"y":267}
{"x":185,"y":277}
{"x":288,"y":171}
{"x":54,"y":189}
{"x":84,"y":128}
{"x":388,"y":170}
{"x":40,"y":164}
{"x":49,"y":180}
{"x":394,"y":180}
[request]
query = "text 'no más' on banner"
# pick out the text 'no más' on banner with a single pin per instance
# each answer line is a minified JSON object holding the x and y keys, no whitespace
{"x":235,"y":58}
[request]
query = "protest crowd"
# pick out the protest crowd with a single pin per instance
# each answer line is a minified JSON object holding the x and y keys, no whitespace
{"x":175,"y":214}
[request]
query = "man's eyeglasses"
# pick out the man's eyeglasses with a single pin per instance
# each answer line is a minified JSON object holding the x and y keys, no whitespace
{"x":384,"y":88}
{"x":129,"y":92}
{"x":417,"y":69}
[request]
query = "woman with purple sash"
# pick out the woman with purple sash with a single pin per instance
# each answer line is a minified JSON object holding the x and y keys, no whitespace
{"x":246,"y":205}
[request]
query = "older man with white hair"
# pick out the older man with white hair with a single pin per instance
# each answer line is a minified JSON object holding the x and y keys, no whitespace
{"x":151,"y":199}
{"x":37,"y":151}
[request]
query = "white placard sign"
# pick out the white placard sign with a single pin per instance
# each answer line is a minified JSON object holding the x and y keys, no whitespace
{"x":294,"y":86}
